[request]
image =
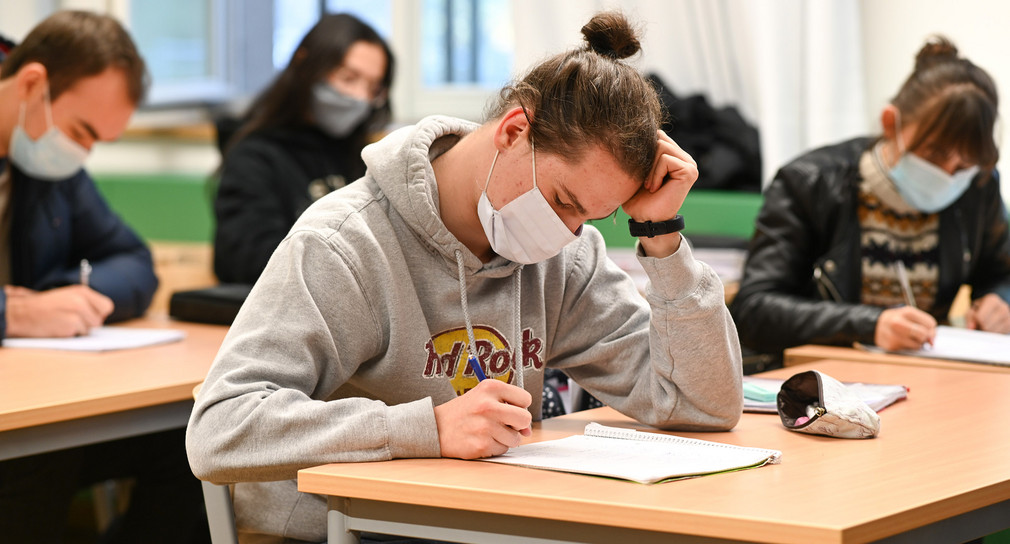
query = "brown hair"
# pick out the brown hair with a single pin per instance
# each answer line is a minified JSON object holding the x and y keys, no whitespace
{"x":287,"y":101}
{"x":954,"y":102}
{"x":590,"y":96}
{"x":73,"y":45}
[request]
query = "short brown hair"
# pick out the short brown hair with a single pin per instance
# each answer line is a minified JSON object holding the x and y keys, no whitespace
{"x":73,"y":45}
{"x":590,"y":96}
{"x":954,"y":102}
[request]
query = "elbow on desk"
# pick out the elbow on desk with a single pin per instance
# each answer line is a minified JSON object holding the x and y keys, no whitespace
{"x":719,"y":418}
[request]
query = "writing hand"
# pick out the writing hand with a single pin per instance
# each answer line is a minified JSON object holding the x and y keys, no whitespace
{"x":661,"y":196}
{"x":61,"y":312}
{"x":904,"y":328}
{"x":486,"y":420}
{"x":989,"y":313}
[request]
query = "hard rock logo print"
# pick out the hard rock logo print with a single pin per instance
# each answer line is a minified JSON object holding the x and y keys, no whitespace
{"x":447,"y":354}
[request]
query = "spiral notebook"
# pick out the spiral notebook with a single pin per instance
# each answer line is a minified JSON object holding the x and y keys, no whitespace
{"x":638,"y":456}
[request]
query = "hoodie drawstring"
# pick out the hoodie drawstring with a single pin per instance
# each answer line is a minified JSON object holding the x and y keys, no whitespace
{"x":517,"y":330}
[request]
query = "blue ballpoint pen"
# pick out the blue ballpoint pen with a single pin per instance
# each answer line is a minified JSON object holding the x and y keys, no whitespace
{"x":472,"y":361}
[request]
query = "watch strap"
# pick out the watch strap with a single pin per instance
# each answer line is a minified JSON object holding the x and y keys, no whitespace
{"x":651,"y":229}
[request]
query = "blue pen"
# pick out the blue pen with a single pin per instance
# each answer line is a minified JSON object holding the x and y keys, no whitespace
{"x":476,"y":368}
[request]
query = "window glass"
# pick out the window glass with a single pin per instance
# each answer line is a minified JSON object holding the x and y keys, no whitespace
{"x":466,"y":42}
{"x":377,"y":13}
{"x":174,"y":38}
{"x":292,"y":20}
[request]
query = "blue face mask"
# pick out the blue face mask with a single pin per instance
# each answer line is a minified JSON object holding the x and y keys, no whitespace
{"x":925,"y":185}
{"x":51,"y":157}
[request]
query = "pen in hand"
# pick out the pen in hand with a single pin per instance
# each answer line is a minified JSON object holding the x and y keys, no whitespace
{"x":477,"y":370}
{"x":85,"y":273}
{"x":906,"y":290}
{"x":906,"y":286}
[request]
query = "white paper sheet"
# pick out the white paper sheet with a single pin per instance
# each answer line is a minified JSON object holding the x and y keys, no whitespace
{"x":967,"y":345}
{"x":101,"y":339}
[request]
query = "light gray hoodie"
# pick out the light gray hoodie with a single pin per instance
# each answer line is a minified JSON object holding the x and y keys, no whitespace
{"x":355,"y":331}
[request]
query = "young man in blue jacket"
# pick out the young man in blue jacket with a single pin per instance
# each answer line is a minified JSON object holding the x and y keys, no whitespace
{"x":58,"y":97}
{"x":74,"y":81}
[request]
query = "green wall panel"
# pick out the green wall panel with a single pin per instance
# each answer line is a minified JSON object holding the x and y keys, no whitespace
{"x":178,"y":207}
{"x":718,"y":214}
{"x":173,"y":207}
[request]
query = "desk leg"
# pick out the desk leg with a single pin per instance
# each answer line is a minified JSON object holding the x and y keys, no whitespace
{"x":337,"y":530}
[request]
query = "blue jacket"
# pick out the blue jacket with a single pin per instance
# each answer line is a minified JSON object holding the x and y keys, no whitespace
{"x":56,"y":224}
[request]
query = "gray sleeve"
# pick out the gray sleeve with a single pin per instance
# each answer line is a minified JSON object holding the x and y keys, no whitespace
{"x":671,"y":360}
{"x":263,"y":412}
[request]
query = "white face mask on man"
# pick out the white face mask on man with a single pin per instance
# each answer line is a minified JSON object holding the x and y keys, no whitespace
{"x":526,"y":230}
{"x":51,"y":157}
{"x":923,"y":184}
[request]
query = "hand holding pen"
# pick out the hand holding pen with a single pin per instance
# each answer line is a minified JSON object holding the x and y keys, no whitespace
{"x":904,"y":327}
{"x":72,"y":310}
{"x":483,"y":421}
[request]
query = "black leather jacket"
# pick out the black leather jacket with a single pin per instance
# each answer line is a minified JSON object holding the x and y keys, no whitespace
{"x":803,"y":277}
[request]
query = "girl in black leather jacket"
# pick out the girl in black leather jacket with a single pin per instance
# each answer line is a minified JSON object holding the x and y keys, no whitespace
{"x":840,"y":223}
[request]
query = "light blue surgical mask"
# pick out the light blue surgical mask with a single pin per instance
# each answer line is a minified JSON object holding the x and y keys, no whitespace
{"x":52,"y":156}
{"x":925,"y":185}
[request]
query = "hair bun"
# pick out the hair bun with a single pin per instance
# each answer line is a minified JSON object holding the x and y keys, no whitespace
{"x":936,"y":50}
{"x":609,"y":34}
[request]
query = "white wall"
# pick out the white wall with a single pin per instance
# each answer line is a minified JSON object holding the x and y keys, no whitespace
{"x":894,"y":30}
{"x":19,"y":17}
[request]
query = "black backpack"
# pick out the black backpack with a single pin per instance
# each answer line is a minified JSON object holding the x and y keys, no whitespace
{"x":726,"y":147}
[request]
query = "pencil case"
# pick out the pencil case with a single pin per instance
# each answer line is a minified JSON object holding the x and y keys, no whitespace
{"x":813,"y":402}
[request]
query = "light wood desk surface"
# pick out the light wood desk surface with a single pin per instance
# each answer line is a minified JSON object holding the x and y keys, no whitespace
{"x":812,"y":352}
{"x":939,"y":471}
{"x":46,"y":394}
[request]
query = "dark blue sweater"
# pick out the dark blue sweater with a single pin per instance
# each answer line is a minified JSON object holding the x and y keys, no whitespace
{"x":56,"y":224}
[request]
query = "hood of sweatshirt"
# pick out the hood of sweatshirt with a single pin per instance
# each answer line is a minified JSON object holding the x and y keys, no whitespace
{"x":400,"y":164}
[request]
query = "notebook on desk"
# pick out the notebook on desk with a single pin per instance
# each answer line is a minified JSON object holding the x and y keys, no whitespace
{"x":108,"y":338}
{"x":643,"y":457}
{"x":876,"y":395}
{"x":968,"y":345}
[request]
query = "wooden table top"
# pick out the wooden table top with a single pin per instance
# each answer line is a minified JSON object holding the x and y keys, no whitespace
{"x":41,"y":386}
{"x":813,"y":352}
{"x":940,"y":453}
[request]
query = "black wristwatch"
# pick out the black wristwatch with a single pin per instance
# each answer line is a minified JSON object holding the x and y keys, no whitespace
{"x":656,"y":228}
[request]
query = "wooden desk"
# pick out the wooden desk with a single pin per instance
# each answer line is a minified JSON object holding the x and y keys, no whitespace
{"x":811,"y":352}
{"x":51,"y":399}
{"x":938,"y":472}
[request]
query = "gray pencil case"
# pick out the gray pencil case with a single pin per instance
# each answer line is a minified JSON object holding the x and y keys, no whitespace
{"x":813,"y":402}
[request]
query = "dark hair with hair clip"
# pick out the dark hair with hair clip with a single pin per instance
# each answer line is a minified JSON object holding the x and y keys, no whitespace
{"x":954,"y":102}
{"x":74,"y":45}
{"x":287,"y":101}
{"x":590,"y":96}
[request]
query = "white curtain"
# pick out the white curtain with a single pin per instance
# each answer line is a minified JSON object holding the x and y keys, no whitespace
{"x":791,"y":67}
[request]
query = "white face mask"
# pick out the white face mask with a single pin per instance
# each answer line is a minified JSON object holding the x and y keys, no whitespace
{"x":925,"y":185}
{"x":52,"y":157}
{"x":525,"y":230}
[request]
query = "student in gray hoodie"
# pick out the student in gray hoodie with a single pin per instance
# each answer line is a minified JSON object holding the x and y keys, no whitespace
{"x":355,"y":343}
